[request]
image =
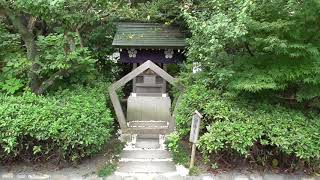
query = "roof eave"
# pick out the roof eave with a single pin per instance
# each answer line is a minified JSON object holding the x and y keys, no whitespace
{"x":147,"y":47}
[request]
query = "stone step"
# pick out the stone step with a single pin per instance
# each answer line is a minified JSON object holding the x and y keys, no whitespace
{"x":145,"y":154}
{"x":147,"y":130}
{"x":148,"y":136}
{"x":146,"y":167}
{"x":142,"y":176}
{"x":147,"y":143}
{"x":148,"y":124}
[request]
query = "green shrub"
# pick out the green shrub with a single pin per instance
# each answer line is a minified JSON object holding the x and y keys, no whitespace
{"x":13,"y":62}
{"x":107,"y":170}
{"x":79,"y":62}
{"x":67,"y":125}
{"x":238,"y":126}
{"x":194,"y":171}
{"x":180,"y":155}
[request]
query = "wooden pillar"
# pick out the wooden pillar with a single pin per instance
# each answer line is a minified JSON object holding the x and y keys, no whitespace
{"x":134,"y":81}
{"x":193,"y":154}
{"x":164,"y":85}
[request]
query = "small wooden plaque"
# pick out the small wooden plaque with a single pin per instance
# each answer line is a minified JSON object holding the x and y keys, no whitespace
{"x":195,"y":127}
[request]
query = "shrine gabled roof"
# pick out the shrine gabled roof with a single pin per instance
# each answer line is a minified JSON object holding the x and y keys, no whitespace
{"x":148,"y":35}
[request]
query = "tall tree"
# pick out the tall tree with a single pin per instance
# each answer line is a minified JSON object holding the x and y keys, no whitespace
{"x":70,"y":17}
{"x":268,"y":47}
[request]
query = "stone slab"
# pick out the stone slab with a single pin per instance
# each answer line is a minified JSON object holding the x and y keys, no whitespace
{"x":148,"y":108}
{"x":145,"y":154}
{"x":59,"y":177}
{"x":129,"y":178}
{"x":147,"y":143}
{"x":273,"y":177}
{"x":241,"y":177}
{"x":168,"y":178}
{"x":147,"y":130}
{"x":7,"y":175}
{"x":146,"y":167}
{"x":148,"y":136}
{"x":148,"y":124}
{"x":38,"y":176}
{"x":113,"y":177}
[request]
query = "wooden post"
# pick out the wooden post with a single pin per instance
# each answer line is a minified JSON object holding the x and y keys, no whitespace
{"x":193,"y":154}
{"x":117,"y":107}
{"x":164,"y":85}
{"x":194,"y":134}
{"x":134,"y":81}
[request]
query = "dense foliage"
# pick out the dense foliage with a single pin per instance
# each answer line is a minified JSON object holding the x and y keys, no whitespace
{"x":250,"y":128}
{"x":64,"y":40}
{"x":67,"y":125}
{"x":53,"y":40}
{"x":258,"y":88}
{"x":260,"y":46}
{"x":56,"y":49}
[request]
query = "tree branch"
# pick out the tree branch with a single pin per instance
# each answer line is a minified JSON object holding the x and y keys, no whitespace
{"x":80,"y":38}
{"x":248,"y":49}
{"x":88,"y":6}
{"x":70,"y":45}
{"x":2,"y":11}
{"x":49,"y":82}
{"x":31,"y":23}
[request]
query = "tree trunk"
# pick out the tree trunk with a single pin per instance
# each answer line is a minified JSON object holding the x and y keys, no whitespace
{"x":80,"y":38}
{"x":33,"y":74}
{"x":28,"y":38}
{"x":36,"y":84}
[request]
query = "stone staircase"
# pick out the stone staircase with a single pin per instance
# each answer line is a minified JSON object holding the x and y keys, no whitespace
{"x":151,"y":127}
{"x":146,"y":155}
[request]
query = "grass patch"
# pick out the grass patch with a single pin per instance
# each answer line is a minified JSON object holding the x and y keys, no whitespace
{"x":194,"y":171}
{"x":181,"y":155}
{"x":107,"y":169}
{"x":111,"y":165}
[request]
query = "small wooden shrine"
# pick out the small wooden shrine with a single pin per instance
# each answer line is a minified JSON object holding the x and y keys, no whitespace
{"x":149,"y":48}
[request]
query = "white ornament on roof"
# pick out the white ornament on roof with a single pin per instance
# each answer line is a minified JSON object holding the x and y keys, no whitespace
{"x":132,"y":53}
{"x":168,"y":53}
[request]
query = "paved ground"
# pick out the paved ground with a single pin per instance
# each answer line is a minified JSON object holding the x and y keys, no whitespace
{"x":145,"y":158}
{"x":223,"y":176}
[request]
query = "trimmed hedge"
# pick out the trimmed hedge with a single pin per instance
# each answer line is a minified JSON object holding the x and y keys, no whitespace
{"x":67,"y":125}
{"x":239,"y":126}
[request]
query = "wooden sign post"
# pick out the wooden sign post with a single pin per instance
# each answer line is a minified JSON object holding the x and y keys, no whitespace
{"x":194,"y":134}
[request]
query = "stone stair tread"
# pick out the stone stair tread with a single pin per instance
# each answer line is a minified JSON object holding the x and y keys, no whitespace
{"x":147,"y":143}
{"x":145,"y":154}
{"x":146,"y":167}
{"x":148,"y":136}
{"x":147,"y":130}
{"x":147,"y":124}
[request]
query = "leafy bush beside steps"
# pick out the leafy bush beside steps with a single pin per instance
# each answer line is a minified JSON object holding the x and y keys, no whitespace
{"x":68,"y":125}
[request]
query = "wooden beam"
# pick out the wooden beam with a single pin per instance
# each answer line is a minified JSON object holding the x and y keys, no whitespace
{"x":134,"y":81}
{"x":161,"y":73}
{"x":164,"y":85}
{"x":131,"y":75}
{"x":117,"y":108}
